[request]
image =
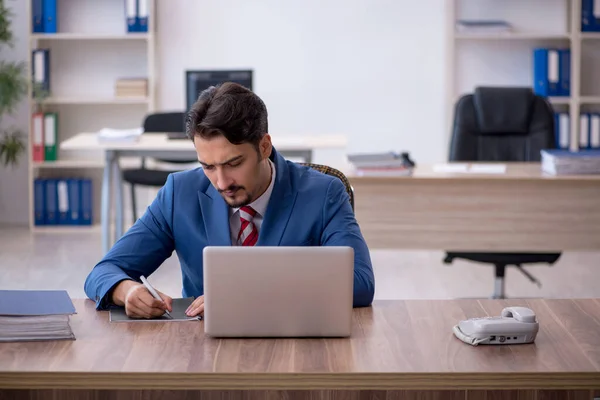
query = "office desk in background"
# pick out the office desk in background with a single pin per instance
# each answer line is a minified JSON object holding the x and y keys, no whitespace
{"x":520,"y":210}
{"x":398,"y":348}
{"x":157,"y":145}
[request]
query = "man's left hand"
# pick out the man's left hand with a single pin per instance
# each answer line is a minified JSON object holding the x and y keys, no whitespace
{"x":196,"y":308}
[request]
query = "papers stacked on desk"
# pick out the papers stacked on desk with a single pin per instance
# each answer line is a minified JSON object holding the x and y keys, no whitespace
{"x":565,"y":162}
{"x":119,"y":135}
{"x":381,"y":164}
{"x":28,"y":315}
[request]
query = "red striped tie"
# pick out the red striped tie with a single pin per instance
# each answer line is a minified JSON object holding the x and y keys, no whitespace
{"x":248,"y":233}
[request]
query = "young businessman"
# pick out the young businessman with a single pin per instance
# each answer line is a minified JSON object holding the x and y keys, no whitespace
{"x":244,"y":194}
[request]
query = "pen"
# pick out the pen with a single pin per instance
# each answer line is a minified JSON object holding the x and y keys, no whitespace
{"x":153,"y":292}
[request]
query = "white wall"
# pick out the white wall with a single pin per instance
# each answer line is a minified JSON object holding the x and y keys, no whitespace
{"x":370,"y":69}
{"x":14,"y":205}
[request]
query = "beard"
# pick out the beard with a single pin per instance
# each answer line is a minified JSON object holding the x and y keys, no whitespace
{"x":240,"y":196}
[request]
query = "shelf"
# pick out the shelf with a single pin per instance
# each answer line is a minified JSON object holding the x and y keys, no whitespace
{"x":559,"y":100}
{"x":97,"y":100}
{"x":512,"y":36}
{"x":590,"y":35}
{"x":68,"y":164}
{"x":589,"y":100}
{"x":90,"y":36}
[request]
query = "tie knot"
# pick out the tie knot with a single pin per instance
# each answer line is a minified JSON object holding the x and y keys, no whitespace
{"x":247,"y":213}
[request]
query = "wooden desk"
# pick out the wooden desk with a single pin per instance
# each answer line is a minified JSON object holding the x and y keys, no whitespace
{"x":158,"y":145}
{"x":521,"y":210}
{"x":399,"y":349}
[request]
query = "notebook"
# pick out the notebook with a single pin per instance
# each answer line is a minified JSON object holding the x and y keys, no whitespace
{"x":118,"y":314}
{"x":32,"y":315}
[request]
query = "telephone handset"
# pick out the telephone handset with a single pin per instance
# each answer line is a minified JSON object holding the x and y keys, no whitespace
{"x":516,"y":325}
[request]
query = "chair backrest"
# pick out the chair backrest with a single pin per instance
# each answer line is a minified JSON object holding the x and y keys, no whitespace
{"x":164,"y":122}
{"x":502,"y":124}
{"x":338,"y":174}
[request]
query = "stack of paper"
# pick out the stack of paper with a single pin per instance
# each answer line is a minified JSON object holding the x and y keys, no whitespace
{"x":131,"y":87}
{"x":483,"y":26}
{"x":565,"y":162}
{"x":119,"y":135}
{"x":27,"y":315}
{"x":380,"y":164}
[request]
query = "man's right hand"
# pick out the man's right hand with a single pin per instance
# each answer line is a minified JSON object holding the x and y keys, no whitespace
{"x":138,"y":302}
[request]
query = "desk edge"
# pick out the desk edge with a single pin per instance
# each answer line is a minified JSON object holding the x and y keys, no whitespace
{"x":299,"y":381}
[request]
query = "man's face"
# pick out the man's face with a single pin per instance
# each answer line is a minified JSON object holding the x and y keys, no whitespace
{"x":237,"y":171}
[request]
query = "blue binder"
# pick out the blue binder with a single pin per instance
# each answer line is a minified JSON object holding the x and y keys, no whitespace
{"x":39,"y":201}
{"x":50,"y":16}
{"x":546,"y":71}
{"x":142,"y":15}
{"x":564,"y":72}
{"x":589,"y":22}
{"x":51,"y":202}
{"x":62,"y":199}
{"x":40,"y":70}
{"x":131,"y":9}
{"x":86,"y":202}
{"x":74,"y":189}
{"x":37,"y":15}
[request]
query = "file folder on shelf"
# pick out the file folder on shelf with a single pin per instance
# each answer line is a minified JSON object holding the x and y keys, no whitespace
{"x":41,"y":68}
{"x":595,"y":131}
{"x":87,"y":204}
{"x":563,"y":130}
{"x":131,"y":16}
{"x":74,"y":195}
{"x":584,"y":131}
{"x":590,"y":15}
{"x":37,"y":15}
{"x":39,"y":201}
{"x":37,"y":140}
{"x":142,"y":15}
{"x":50,"y":16}
{"x":50,"y":136}
{"x":545,"y":72}
{"x":63,"y":201}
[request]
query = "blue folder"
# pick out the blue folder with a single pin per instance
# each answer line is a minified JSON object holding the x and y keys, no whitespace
{"x":86,"y":202}
{"x":50,"y":16}
{"x":35,"y":302}
{"x":51,"y":202}
{"x":39,"y":201}
{"x":37,"y":16}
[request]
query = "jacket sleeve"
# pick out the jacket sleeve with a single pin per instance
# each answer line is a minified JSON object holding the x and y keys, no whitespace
{"x":341,"y":229}
{"x":140,"y":251}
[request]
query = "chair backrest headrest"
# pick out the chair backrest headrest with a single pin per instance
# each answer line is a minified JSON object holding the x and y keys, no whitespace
{"x":501,"y":110}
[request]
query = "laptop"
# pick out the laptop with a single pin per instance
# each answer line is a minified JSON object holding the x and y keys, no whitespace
{"x":263,"y":291}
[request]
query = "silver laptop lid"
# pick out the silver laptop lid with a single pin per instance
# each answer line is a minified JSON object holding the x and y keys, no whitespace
{"x":278,"y":291}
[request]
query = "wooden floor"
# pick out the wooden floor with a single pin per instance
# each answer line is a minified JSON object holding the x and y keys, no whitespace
{"x":63,"y":260}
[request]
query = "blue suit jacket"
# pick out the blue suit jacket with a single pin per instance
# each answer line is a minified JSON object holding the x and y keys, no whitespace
{"x":306,"y":208}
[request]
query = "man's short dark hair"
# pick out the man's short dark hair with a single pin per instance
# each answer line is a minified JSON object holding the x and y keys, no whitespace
{"x":231,"y":110}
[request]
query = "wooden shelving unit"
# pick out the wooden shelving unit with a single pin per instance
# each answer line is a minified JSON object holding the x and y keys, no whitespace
{"x":90,"y":51}
{"x":558,"y":23}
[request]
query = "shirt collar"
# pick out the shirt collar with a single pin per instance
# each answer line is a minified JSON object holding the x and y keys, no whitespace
{"x":260,"y":205}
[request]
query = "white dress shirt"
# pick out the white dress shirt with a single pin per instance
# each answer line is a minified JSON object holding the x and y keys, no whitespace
{"x":259,"y":205}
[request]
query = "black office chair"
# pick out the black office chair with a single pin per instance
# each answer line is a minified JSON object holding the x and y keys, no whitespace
{"x":338,"y":174}
{"x":507,"y":125}
{"x":155,"y":123}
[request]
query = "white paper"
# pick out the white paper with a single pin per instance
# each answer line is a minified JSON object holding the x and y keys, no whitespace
{"x":488,"y":168}
{"x":450,"y":168}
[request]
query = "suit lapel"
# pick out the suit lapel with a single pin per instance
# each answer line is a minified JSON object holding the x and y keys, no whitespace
{"x":215,"y":214}
{"x":280,"y":205}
